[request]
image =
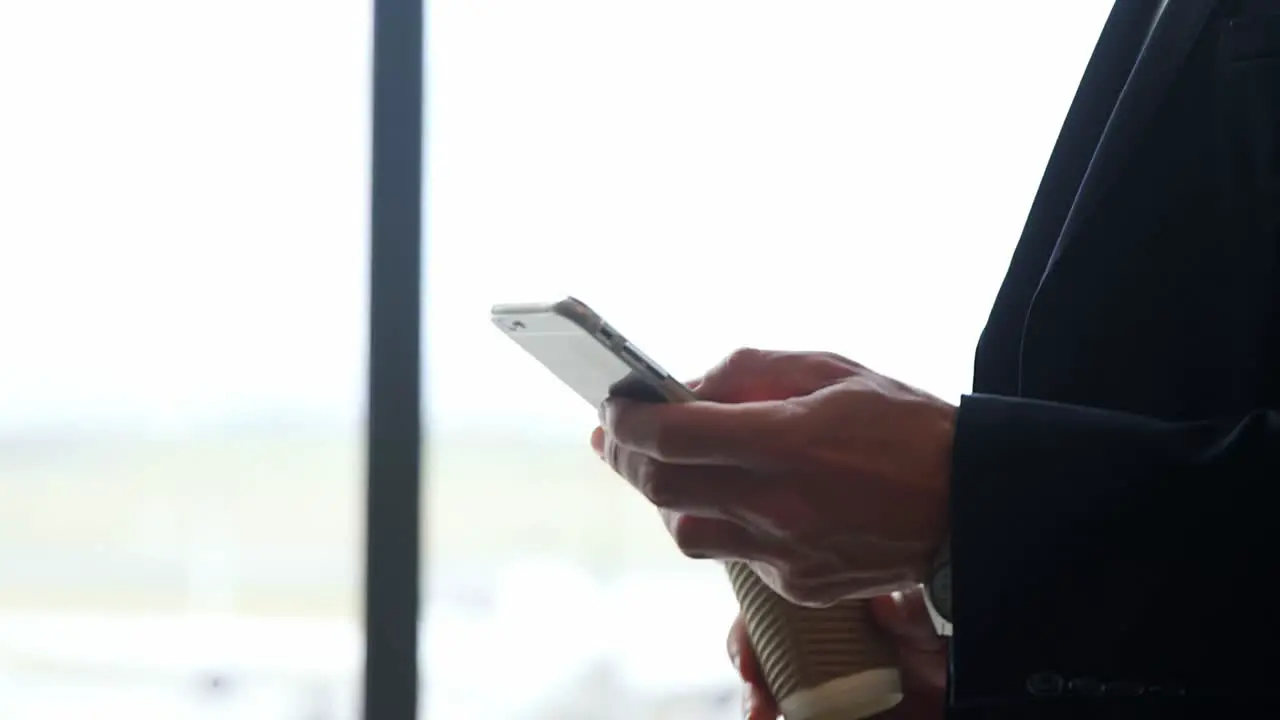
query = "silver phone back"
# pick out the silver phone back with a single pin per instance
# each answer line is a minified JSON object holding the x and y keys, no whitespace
{"x":588,"y":355}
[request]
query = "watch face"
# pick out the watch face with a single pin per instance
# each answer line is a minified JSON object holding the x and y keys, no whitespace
{"x":940,"y":591}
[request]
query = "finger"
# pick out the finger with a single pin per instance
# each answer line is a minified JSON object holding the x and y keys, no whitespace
{"x":699,"y":433}
{"x":758,"y":705}
{"x":757,"y":702}
{"x":708,"y":537}
{"x":597,"y":442}
{"x":737,"y":370}
{"x":747,"y":375}
{"x":703,"y":489}
{"x":750,"y":375}
{"x":742,"y":654}
{"x":905,"y":617}
{"x":922,"y":654}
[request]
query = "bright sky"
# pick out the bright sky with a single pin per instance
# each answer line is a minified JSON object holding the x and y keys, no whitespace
{"x":183,"y":192}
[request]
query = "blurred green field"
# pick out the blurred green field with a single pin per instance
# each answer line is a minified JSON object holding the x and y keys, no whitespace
{"x":271,"y":522}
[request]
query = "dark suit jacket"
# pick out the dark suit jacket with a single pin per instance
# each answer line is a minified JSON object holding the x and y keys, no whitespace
{"x":1117,"y":468}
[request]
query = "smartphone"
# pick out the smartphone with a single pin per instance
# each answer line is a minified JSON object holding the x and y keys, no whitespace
{"x":586,"y":353}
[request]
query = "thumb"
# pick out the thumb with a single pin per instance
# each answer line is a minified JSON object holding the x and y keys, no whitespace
{"x":905,"y":617}
{"x":737,"y":378}
{"x":758,"y":375}
{"x":696,"y":433}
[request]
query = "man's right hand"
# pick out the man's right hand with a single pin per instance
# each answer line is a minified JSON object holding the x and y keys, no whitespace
{"x":922,"y":659}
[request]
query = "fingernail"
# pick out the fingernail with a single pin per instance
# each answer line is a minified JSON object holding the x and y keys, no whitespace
{"x":597,"y":442}
{"x":748,"y":701}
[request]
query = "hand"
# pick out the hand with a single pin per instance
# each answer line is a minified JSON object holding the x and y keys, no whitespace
{"x":922,"y":660}
{"x":830,"y":480}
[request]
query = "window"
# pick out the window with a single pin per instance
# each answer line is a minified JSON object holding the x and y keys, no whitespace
{"x":822,"y":175}
{"x":183,"y":231}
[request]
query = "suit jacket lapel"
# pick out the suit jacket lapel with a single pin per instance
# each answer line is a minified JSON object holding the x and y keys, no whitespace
{"x":996,"y":366}
{"x":1158,"y":64}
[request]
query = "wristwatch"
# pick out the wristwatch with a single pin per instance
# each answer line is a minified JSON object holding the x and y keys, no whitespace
{"x":937,"y":589}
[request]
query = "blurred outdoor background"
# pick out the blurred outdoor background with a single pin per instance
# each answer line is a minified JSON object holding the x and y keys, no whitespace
{"x":183,"y":261}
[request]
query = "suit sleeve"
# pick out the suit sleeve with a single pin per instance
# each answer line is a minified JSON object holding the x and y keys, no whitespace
{"x":1102,"y":557}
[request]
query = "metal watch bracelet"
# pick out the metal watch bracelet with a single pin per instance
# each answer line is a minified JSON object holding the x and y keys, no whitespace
{"x":937,"y":589}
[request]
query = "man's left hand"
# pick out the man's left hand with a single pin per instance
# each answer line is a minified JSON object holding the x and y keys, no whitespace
{"x":921,"y":654}
{"x":830,"y":480}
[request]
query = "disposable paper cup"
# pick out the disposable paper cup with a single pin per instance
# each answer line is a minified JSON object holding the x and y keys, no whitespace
{"x":828,"y":663}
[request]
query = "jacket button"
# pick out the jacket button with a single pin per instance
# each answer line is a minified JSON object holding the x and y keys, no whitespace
{"x":1165,"y":691}
{"x":1045,"y":684}
{"x":1124,"y":688}
{"x":1086,"y":686}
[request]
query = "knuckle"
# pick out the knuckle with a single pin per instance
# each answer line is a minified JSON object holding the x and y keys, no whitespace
{"x":745,"y":357}
{"x":833,"y":366}
{"x":840,"y":360}
{"x":723,"y":382}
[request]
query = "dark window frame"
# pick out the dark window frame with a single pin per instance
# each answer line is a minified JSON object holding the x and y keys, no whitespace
{"x":394,"y":433}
